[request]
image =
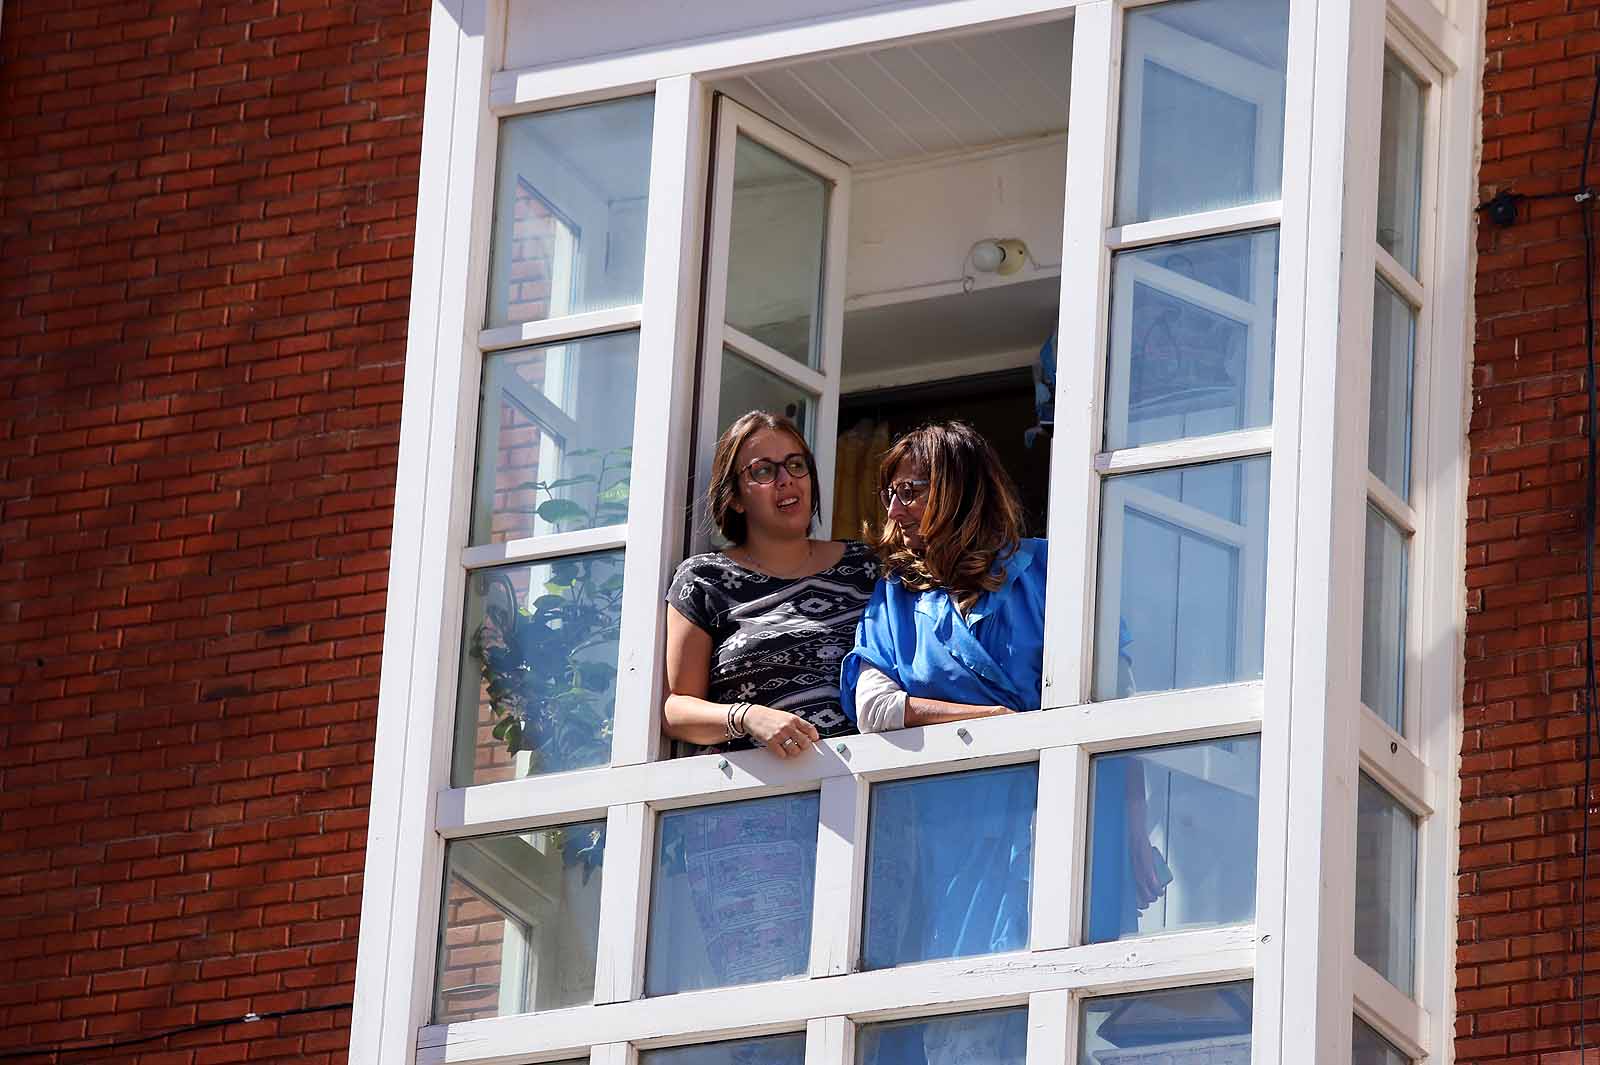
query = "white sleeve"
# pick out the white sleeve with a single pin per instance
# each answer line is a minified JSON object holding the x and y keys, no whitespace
{"x":880,"y":703}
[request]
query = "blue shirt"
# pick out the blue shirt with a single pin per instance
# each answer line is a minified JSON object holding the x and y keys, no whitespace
{"x":990,"y":656}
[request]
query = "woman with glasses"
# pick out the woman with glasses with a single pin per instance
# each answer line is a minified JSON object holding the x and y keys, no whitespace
{"x":956,"y":628}
{"x":755,"y":635}
{"x":757,"y":631}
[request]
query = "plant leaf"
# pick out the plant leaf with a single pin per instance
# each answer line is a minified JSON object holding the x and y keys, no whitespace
{"x":568,"y":482}
{"x":559,"y":511}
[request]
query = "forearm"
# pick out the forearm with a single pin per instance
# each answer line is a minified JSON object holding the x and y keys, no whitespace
{"x":695,"y":720}
{"x":920,"y":711}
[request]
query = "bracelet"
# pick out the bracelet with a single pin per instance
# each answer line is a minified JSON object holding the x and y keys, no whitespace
{"x":742,"y":715}
{"x":735,"y":721}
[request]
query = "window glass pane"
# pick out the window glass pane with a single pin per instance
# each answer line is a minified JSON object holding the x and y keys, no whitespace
{"x":1369,"y":1048}
{"x":731,"y":898}
{"x":1394,"y":334}
{"x":1400,"y":162}
{"x":569,"y":211}
{"x":520,"y":922}
{"x":949,"y":861}
{"x":747,"y":387}
{"x":1191,"y":338}
{"x":767,"y":1050}
{"x":1202,"y":107}
{"x":1386,"y":884}
{"x":1183,"y":566}
{"x":1172,"y":838}
{"x":1383,"y":620}
{"x":538,"y":668}
{"x":1186,"y":1026}
{"x":993,"y":1037}
{"x":780,"y":212}
{"x":555,"y":436}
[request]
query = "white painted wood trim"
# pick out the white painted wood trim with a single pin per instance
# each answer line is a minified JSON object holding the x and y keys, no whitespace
{"x":613,"y":1054}
{"x":1389,"y":1010}
{"x":969,"y":983}
{"x":1085,"y":295}
{"x":775,"y":362}
{"x":1049,"y":1038}
{"x":1397,"y":277}
{"x":663,"y":410}
{"x":841,"y":866}
{"x":1188,"y":451}
{"x":581,"y":81}
{"x":830,"y":1041}
{"x":1427,"y":32}
{"x":1193,"y":226}
{"x":624,"y":899}
{"x":1054,"y":891}
{"x":957,"y":286}
{"x":937,"y":371}
{"x":1312,"y":648}
{"x":536,"y":548}
{"x":1449,"y":252}
{"x":1391,"y":761}
{"x":1140,"y":721}
{"x":404,"y":857}
{"x":555,"y":330}
{"x":1389,"y":503}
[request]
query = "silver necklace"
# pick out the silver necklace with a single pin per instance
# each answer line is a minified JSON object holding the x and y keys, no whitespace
{"x":754,"y":563}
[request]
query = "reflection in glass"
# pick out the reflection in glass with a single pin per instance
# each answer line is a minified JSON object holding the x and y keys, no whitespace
{"x":520,"y":922}
{"x":1186,"y":1025}
{"x":1369,"y":1048}
{"x":1202,"y":107}
{"x":1182,"y":594}
{"x":1386,"y":884}
{"x":1400,"y":162}
{"x":731,"y":899}
{"x":1383,"y":620}
{"x":538,"y":679}
{"x":1172,"y":838}
{"x":1191,"y":338}
{"x":949,"y":861}
{"x":569,"y":211}
{"x":779,"y":223}
{"x":993,"y":1037}
{"x":555,"y":436}
{"x":767,"y":1050}
{"x":747,"y":387}
{"x":1394,"y":334}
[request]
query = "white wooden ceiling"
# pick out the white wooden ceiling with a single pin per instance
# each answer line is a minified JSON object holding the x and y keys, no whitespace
{"x":921,"y":98}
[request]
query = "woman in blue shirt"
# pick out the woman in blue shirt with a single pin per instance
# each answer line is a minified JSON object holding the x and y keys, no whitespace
{"x":955,"y":630}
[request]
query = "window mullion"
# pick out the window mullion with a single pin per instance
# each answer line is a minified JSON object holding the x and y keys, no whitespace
{"x":624,"y":893}
{"x":841,"y":851}
{"x":1052,"y":1027}
{"x":830,"y":1040}
{"x":1058,"y":845}
{"x":663,"y":408}
{"x":1074,"y":485}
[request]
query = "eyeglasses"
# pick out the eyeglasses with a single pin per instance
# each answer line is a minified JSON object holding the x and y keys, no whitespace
{"x":908,"y":492}
{"x":765,"y":471}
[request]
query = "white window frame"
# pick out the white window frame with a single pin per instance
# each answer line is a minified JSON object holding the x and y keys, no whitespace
{"x":1307,"y":794}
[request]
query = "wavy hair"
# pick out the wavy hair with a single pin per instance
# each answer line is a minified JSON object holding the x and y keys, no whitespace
{"x":972,"y":521}
{"x":724,"y":486}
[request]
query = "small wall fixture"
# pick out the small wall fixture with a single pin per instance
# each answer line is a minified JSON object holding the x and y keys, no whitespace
{"x":1001,"y":257}
{"x":995,"y":255}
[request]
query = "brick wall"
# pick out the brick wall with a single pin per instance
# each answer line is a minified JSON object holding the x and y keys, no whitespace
{"x":1522,"y":766}
{"x":206,"y":214}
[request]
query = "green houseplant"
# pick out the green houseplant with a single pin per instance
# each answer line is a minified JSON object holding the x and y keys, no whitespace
{"x":547,"y":657}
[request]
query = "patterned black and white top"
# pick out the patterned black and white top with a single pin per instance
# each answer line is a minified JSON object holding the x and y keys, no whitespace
{"x":778,"y":641}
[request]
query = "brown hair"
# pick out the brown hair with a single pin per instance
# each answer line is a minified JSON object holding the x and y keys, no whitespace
{"x":724,"y":486}
{"x":973,"y":519}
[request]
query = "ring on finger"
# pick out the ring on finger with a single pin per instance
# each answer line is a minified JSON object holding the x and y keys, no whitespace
{"x":790,"y":742}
